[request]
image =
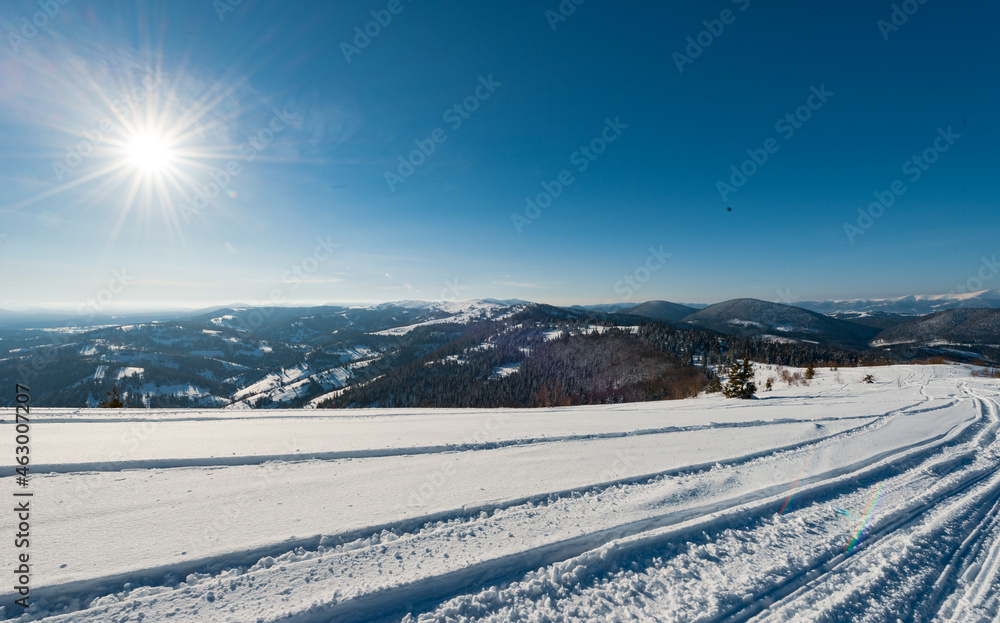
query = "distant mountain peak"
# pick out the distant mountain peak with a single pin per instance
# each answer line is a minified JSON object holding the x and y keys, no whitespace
{"x":911,"y":305}
{"x":746,"y":316}
{"x":660,"y":310}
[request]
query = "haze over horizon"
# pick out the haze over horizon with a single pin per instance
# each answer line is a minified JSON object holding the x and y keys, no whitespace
{"x":689,"y":153}
{"x":92,"y":308}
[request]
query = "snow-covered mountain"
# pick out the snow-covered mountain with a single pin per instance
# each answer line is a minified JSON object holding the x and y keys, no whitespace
{"x":493,"y":352}
{"x":780,"y":323}
{"x":234,"y":357}
{"x":917,"y":305}
{"x":954,"y":326}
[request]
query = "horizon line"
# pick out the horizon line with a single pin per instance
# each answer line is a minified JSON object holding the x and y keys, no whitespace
{"x":138,"y":308}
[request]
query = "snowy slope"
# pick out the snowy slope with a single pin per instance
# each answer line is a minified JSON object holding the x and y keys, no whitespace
{"x":840,"y":498}
{"x":910,"y":305}
{"x":458,"y":312}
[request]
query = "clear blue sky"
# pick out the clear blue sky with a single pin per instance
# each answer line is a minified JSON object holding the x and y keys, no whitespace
{"x":108,"y":226}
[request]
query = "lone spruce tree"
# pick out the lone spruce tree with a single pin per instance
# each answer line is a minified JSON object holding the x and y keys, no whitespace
{"x":740,"y":383}
{"x":810,"y":372}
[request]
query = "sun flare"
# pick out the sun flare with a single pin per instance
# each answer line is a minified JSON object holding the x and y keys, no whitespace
{"x":149,"y":152}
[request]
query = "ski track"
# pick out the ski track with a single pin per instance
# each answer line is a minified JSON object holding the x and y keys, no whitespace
{"x":908,"y":565}
{"x":931,"y":550}
{"x":132,"y":464}
{"x":78,"y":589}
{"x":973,"y":558}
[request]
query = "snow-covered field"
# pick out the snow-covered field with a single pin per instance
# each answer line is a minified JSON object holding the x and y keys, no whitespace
{"x":837,"y":501}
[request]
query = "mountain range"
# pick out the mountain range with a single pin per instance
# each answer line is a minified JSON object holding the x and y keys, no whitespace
{"x":472,"y":353}
{"x":908,"y":305}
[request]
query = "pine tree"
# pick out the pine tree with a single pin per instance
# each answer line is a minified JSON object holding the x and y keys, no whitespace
{"x":810,"y":372}
{"x":114,"y":401}
{"x":714,"y":385}
{"x":740,"y":383}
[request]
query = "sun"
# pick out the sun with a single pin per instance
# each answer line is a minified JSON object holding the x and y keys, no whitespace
{"x":149,"y":152}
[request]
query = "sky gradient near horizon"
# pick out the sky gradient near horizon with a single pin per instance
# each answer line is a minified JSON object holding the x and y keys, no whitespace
{"x":397,"y":164}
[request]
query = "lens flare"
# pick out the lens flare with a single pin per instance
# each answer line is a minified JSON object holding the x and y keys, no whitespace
{"x":859,"y":531}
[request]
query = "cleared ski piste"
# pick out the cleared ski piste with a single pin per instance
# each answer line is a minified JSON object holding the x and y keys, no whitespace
{"x":873,"y":501}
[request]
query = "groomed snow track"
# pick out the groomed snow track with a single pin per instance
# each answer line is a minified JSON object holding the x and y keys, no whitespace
{"x":878,"y":514}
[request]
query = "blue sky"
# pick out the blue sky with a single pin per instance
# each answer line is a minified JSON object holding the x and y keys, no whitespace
{"x":315,"y":119}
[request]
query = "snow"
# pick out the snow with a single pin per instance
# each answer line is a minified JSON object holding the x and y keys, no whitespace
{"x":779,"y":339}
{"x":183,"y":389}
{"x":460,"y":313}
{"x":273,"y":380}
{"x":226,"y":321}
{"x":293,"y":383}
{"x":700,"y":509}
{"x":746,"y":323}
{"x":356,"y":352}
{"x":129,"y":371}
{"x":505,"y":370}
{"x":315,"y":402}
{"x":458,"y":359}
{"x":555,"y":334}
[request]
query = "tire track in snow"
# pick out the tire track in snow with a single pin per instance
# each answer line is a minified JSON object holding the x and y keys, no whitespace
{"x":642,"y":544}
{"x":787,"y":590}
{"x":336,"y":455}
{"x":983,"y":534}
{"x":439,"y":586}
{"x":521,"y":565}
{"x":751,"y":509}
{"x":89,"y":588}
{"x":979,"y":581}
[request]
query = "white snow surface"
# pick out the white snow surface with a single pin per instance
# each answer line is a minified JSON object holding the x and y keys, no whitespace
{"x":130,"y":371}
{"x":460,"y":312}
{"x":505,"y":370}
{"x":839,"y":500}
